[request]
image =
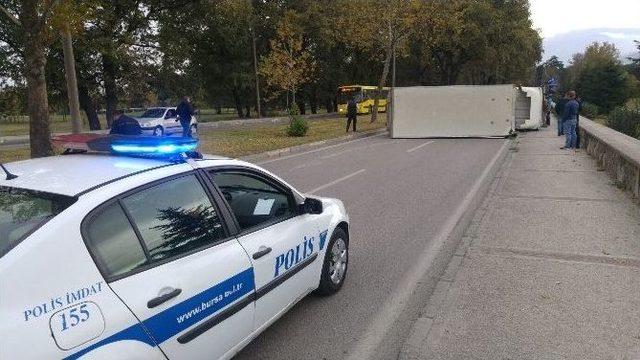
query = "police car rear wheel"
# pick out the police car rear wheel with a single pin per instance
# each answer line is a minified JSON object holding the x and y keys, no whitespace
{"x":158,"y":131}
{"x":336,"y":261}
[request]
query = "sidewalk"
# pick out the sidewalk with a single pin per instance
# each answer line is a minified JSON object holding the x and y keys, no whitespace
{"x":548,"y":269}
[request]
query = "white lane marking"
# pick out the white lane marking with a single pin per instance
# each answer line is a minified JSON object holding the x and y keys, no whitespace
{"x":336,"y":181}
{"x":419,"y":146}
{"x":319,"y":149}
{"x":368,"y":146}
{"x":377,"y":330}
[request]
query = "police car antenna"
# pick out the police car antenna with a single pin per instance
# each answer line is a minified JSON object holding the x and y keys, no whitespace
{"x":10,"y":176}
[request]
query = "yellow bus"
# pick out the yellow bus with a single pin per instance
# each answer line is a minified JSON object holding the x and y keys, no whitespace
{"x":364,"y":96}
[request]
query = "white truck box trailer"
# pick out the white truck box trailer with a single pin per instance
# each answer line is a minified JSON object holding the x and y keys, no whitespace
{"x":529,"y":111}
{"x":453,"y":111}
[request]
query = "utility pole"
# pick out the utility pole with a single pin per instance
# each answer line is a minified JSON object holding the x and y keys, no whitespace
{"x":393,"y":86}
{"x":255,"y":69}
{"x":72,"y":82}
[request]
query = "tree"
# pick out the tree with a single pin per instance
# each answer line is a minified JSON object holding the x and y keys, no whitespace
{"x":599,"y":77}
{"x":376,"y":27}
{"x":635,"y":62}
{"x":30,"y":22}
{"x":289,"y":65}
{"x":69,"y":19}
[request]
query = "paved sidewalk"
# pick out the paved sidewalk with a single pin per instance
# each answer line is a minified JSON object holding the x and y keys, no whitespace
{"x":548,"y":269}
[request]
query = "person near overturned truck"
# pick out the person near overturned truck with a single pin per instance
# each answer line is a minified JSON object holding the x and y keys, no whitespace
{"x":570,"y":120}
{"x":185,"y":112}
{"x":352,"y":114}
{"x":562,"y":101}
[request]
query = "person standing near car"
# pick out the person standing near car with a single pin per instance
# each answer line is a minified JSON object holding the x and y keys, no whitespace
{"x":184,"y":111}
{"x":352,"y":114}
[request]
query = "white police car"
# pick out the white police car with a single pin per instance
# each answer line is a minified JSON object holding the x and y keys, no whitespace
{"x":163,"y":120}
{"x":106,"y":256}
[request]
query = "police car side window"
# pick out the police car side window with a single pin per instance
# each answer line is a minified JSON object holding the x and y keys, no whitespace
{"x":113,"y":242}
{"x":174,"y":217}
{"x":253,"y":200}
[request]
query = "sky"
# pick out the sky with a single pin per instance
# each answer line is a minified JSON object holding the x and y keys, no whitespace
{"x":555,"y":17}
{"x":569,"y":26}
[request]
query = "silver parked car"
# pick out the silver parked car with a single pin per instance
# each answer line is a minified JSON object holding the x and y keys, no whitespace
{"x":163,"y":120}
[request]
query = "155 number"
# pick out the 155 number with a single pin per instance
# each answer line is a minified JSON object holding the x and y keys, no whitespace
{"x":74,"y":316}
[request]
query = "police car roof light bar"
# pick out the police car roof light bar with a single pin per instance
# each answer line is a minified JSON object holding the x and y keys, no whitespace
{"x":173,"y":148}
{"x":153,"y":146}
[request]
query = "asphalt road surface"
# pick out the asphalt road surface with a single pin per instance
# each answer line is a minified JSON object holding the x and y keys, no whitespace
{"x":398,"y":194}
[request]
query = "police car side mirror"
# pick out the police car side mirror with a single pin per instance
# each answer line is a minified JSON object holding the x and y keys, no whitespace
{"x":311,"y":206}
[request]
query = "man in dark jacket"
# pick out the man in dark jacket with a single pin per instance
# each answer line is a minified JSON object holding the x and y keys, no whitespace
{"x":125,"y":125}
{"x":578,"y":122}
{"x":570,"y":120}
{"x":352,"y":114}
{"x":184,"y":111}
{"x":559,"y":111}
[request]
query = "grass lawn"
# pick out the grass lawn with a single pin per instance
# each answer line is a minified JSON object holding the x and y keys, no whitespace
{"x":61,"y":124}
{"x":251,"y":140}
{"x":58,"y":124}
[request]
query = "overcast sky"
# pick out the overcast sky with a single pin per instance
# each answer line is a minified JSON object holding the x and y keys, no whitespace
{"x":555,"y":17}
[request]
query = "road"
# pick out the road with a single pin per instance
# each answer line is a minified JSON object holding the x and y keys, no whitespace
{"x":398,"y":194}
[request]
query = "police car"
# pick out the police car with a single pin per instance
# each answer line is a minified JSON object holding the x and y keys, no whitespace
{"x":104,"y":255}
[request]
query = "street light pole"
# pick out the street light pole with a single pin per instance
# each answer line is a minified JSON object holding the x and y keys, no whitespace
{"x":393,"y":86}
{"x":255,"y":69}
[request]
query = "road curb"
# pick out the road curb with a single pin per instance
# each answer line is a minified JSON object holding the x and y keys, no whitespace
{"x":398,"y":317}
{"x":272,"y":154}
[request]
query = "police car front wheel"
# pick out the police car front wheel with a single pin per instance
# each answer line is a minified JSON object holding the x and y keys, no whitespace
{"x":336,"y":261}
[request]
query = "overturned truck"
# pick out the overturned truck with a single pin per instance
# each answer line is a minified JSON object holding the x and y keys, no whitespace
{"x":464,"y":111}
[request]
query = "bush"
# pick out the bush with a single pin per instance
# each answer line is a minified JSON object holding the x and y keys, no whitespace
{"x":589,"y":110}
{"x":297,"y":126}
{"x":625,"y":120}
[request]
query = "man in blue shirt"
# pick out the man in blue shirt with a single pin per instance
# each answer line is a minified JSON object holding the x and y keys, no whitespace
{"x":570,"y":120}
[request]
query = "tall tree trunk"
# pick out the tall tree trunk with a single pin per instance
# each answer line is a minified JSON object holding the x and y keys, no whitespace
{"x":247,"y":108}
{"x":328,"y":104}
{"x":301,"y":108}
{"x":236,"y":99}
{"x":72,"y":82}
{"x":381,"y":83}
{"x":87,"y":104}
{"x":313,"y":100}
{"x":34,"y":72}
{"x":110,"y":90}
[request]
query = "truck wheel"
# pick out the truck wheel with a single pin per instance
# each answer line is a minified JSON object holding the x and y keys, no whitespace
{"x":158,"y":131}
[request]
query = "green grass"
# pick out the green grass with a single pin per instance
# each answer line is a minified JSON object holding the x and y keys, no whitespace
{"x":58,"y":124}
{"x":253,"y":139}
{"x":62,"y":123}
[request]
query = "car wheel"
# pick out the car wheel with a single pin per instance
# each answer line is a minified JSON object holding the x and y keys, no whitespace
{"x":158,"y":131}
{"x":336,"y":262}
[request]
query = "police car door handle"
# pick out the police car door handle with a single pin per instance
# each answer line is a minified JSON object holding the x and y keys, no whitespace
{"x":163,"y":298}
{"x":262,"y":251}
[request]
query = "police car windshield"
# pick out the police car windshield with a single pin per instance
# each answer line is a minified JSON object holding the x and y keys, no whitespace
{"x":23,"y":211}
{"x":153,"y":113}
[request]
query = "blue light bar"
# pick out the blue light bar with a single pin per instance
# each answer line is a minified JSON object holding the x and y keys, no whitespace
{"x":153,"y":146}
